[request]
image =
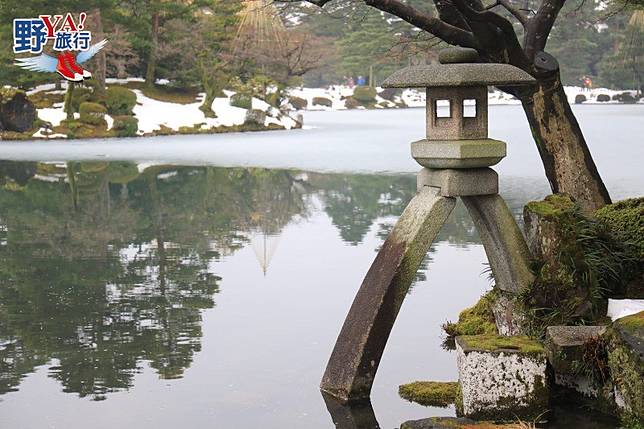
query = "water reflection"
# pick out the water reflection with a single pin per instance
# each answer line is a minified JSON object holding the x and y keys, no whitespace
{"x":107,"y":267}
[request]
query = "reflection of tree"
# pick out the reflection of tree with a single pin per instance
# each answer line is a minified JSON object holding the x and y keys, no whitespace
{"x":103,"y":267}
{"x":354,"y":202}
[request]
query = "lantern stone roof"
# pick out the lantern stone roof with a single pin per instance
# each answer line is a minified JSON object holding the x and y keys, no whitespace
{"x":458,"y":69}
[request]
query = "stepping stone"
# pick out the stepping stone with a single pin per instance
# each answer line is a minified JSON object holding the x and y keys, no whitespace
{"x":501,"y":378}
{"x":565,"y":349}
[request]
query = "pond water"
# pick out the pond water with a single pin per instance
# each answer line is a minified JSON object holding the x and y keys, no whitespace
{"x":202,"y":280}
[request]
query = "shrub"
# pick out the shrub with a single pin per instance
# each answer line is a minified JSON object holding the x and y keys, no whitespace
{"x":364,"y":94}
{"x":92,"y":113}
{"x":580,"y":98}
{"x":119,"y":100}
{"x":241,"y":100}
{"x":322,"y":101}
{"x":299,"y":103}
{"x":125,"y":126}
{"x":79,"y":96}
{"x":602,"y":98}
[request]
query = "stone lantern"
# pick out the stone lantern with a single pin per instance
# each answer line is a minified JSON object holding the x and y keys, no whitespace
{"x":456,"y":156}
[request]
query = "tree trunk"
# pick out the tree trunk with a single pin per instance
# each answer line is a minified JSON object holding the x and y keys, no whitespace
{"x":67,"y":105}
{"x":99,"y":59}
{"x":152,"y":56}
{"x":566,"y":158}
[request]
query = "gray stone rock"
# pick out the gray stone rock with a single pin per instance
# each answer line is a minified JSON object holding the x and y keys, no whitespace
{"x":256,"y":117}
{"x":17,"y":112}
{"x":565,"y":350}
{"x":460,"y":182}
{"x":501,"y":378}
{"x":507,"y":315}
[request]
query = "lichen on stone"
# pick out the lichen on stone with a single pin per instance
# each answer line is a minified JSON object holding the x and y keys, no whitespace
{"x":429,"y":393}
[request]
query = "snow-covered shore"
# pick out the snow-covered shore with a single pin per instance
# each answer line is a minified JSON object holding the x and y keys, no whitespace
{"x":154,"y":115}
{"x":338,"y":95}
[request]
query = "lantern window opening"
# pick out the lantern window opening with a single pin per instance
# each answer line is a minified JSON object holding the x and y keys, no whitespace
{"x":469,"y":108}
{"x":442,"y":113}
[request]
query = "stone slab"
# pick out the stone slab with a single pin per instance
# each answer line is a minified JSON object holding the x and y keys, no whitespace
{"x":565,"y":350}
{"x":501,"y":378}
{"x":460,"y":182}
{"x":458,"y":153}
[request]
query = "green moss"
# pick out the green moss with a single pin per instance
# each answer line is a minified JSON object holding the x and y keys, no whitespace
{"x":633,"y":323}
{"x":492,"y":342}
{"x":475,"y":320}
{"x":626,"y":220}
{"x":241,"y":100}
{"x":429,"y":393}
{"x":553,"y":206}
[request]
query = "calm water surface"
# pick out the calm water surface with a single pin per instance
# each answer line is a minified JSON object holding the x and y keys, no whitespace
{"x":179,"y":286}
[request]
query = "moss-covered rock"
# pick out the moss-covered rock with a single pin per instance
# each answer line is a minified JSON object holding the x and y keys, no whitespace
{"x":92,"y":113}
{"x":626,"y":220}
{"x":351,"y":103}
{"x":501,"y":378}
{"x":429,"y":393}
{"x":579,"y":263}
{"x":626,"y":362}
{"x":475,"y":320}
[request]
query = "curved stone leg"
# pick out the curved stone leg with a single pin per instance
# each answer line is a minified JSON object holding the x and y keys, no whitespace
{"x":358,"y":349}
{"x":504,"y":244}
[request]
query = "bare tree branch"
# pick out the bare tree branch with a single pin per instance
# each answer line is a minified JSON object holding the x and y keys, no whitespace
{"x":539,"y":27}
{"x":518,"y":14}
{"x":515,"y":54}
